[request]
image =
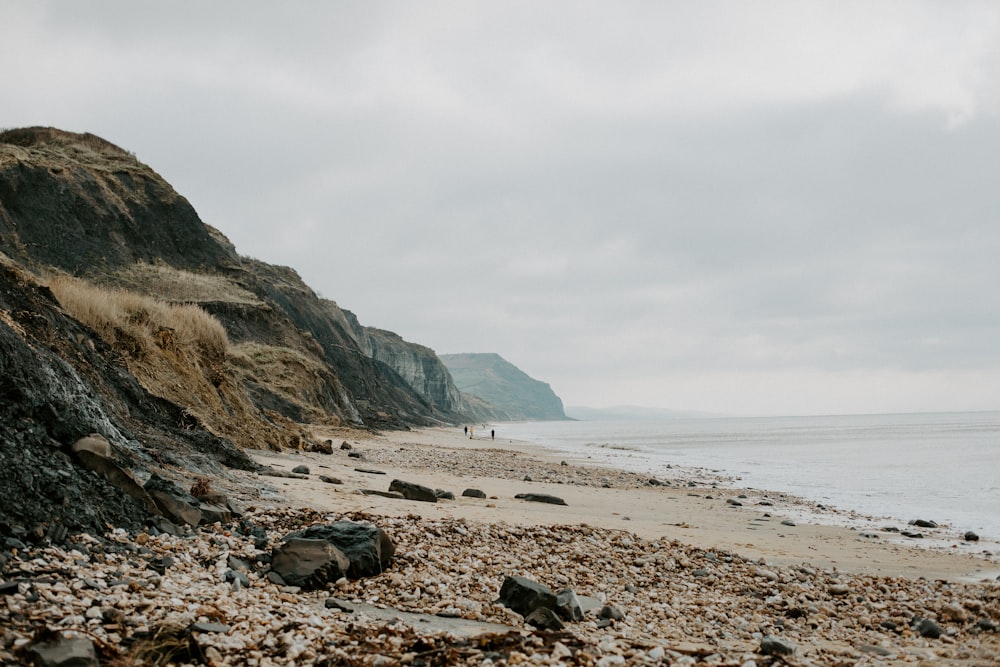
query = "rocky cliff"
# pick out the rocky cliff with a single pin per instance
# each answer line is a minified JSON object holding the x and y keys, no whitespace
{"x":505,"y":388}
{"x":421,"y":369}
{"x":81,"y":205}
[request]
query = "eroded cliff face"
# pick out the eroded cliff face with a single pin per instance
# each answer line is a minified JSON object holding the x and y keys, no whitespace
{"x":82,"y":205}
{"x":420,"y":368}
{"x":58,"y":383}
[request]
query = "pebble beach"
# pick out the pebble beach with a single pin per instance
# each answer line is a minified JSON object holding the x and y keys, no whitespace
{"x":682,"y":571}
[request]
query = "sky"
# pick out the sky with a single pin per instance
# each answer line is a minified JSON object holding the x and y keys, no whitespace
{"x":747,"y":208}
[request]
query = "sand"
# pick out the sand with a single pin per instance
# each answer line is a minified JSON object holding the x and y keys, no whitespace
{"x":701,"y":515}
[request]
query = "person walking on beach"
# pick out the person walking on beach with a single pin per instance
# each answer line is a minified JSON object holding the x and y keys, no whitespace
{"x":466,"y":430}
{"x":493,"y":434}
{"x":471,"y":429}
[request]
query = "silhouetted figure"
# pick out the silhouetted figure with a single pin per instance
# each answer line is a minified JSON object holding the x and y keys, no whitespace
{"x":493,"y":435}
{"x":466,"y":430}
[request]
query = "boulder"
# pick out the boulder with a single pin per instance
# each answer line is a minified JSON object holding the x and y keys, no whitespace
{"x":368,"y":549}
{"x":212,"y":513}
{"x":524,"y":596}
{"x":62,"y":651}
{"x":308,"y":563}
{"x":540,"y":498}
{"x":923,"y":523}
{"x":444,"y":495}
{"x":176,"y":504}
{"x":301,"y":469}
{"x":473,"y":493}
{"x":970,"y":536}
{"x":413,"y":491}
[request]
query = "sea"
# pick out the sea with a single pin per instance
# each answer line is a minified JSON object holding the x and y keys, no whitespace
{"x":943,"y":467}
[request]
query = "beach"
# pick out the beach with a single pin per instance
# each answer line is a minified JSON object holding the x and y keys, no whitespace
{"x":688,"y":570}
{"x":720,"y":566}
{"x":702,"y":514}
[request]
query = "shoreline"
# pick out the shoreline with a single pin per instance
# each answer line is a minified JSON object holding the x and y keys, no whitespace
{"x":681,"y":575}
{"x":698,"y":508}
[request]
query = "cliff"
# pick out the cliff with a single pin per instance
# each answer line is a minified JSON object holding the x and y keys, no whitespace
{"x":508,"y":390}
{"x":77,"y":204}
{"x":422,"y":370}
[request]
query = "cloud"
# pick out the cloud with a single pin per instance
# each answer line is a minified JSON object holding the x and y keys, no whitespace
{"x":724,"y":206}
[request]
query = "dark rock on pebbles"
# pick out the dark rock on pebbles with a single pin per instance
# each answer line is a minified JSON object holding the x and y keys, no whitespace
{"x":771,"y":645}
{"x":544,"y":618}
{"x":473,"y":493}
{"x":57,"y":650}
{"x":523,"y":595}
{"x":540,"y":498}
{"x":413,"y":491}
{"x":369,"y":549}
{"x":925,"y":627}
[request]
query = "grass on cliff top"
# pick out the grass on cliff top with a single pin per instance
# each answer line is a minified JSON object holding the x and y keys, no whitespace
{"x":63,"y":148}
{"x":128,"y":320}
{"x":172,"y":284}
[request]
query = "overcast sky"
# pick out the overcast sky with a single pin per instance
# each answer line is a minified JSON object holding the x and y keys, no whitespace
{"x":733,"y":207}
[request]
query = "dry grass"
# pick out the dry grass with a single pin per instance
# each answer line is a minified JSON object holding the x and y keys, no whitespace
{"x":71,"y":147}
{"x":172,"y":284}
{"x":137,"y":323}
{"x":177,"y":352}
{"x":291,"y":374}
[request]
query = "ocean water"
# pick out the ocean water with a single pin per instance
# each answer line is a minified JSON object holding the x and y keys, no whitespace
{"x":943,"y":467}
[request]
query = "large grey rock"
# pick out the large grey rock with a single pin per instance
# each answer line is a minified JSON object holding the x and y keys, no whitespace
{"x":62,"y":651}
{"x":369,"y":549}
{"x":413,"y":491}
{"x":212,"y":513}
{"x":176,"y":504}
{"x":474,"y":493}
{"x":524,"y":596}
{"x":308,"y":563}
